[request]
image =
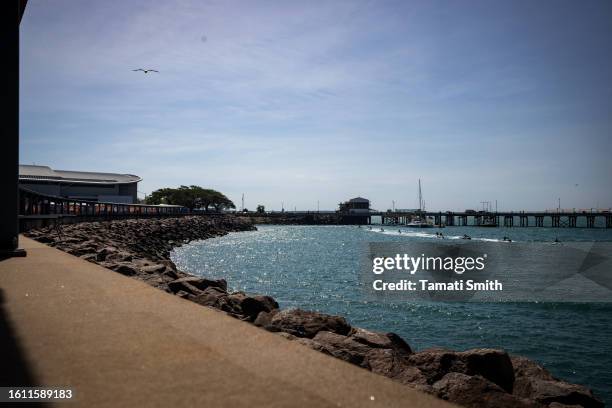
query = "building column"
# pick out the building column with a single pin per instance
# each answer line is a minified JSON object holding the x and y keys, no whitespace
{"x":10,"y":16}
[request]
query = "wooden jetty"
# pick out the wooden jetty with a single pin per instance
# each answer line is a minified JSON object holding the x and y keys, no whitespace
{"x":551,"y":219}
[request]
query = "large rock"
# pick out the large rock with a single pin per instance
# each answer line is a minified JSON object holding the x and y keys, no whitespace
{"x":563,"y":392}
{"x":118,"y":256}
{"x":215,"y":283}
{"x":195,"y":285}
{"x":383,"y":354}
{"x":435,"y":363}
{"x":213,"y":297}
{"x":343,"y":347}
{"x":104,"y":252}
{"x":264,"y":319}
{"x":187,"y":284}
{"x":169,"y":264}
{"x":125,"y":268}
{"x":381,"y":340}
{"x":252,"y":306}
{"x":535,"y":382}
{"x":389,"y":363}
{"x":308,"y":343}
{"x":524,"y":367}
{"x":155,"y":268}
{"x":494,"y":365}
{"x":217,"y":298}
{"x":477,"y":392}
{"x":81,"y":249}
{"x":303,"y":323}
{"x":89,"y":257}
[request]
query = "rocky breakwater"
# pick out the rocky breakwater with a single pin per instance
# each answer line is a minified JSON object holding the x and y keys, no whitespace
{"x":474,"y":378}
{"x":139,"y":248}
{"x":292,"y":219}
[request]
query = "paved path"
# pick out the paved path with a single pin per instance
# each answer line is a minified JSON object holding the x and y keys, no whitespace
{"x":120,"y":342}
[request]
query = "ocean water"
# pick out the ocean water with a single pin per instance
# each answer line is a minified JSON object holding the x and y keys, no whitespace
{"x":316,"y":268}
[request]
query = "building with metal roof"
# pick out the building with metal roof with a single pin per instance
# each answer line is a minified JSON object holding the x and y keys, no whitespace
{"x":357,"y":205}
{"x":355,"y":211}
{"x":81,"y":185}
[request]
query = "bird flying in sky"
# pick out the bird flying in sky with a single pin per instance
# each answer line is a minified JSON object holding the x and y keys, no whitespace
{"x":146,"y":71}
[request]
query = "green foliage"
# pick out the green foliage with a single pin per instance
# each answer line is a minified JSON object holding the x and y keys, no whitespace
{"x":261,"y":208}
{"x":191,"y":197}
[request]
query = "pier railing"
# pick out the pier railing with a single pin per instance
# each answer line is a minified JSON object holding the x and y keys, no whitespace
{"x":547,"y":218}
{"x":36,"y":205}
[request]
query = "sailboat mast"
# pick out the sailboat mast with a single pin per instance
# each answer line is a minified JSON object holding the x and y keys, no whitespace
{"x":420,"y":198}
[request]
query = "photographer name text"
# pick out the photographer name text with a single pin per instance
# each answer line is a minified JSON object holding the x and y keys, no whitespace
{"x":451,"y":267}
{"x":425,"y":284}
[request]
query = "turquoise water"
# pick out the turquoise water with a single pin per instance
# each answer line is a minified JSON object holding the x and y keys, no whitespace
{"x":316,"y":267}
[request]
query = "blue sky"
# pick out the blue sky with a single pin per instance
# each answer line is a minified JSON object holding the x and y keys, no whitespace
{"x":299,"y":102}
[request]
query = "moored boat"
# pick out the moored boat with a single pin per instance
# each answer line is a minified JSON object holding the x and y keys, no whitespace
{"x":421,"y":220}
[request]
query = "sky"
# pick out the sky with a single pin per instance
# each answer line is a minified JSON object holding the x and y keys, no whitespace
{"x":296,"y":103}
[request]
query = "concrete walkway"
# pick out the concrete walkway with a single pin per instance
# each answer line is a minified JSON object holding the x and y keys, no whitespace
{"x":119,"y":342}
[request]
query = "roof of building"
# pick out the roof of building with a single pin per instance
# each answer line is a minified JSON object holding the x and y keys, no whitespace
{"x":46,"y":173}
{"x":359,"y":200}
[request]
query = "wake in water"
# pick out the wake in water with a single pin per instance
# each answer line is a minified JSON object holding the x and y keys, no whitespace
{"x":410,"y":233}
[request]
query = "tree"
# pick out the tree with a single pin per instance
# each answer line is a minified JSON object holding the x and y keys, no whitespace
{"x":191,"y":197}
{"x":261,"y":208}
{"x":221,"y":202}
{"x":161,"y":196}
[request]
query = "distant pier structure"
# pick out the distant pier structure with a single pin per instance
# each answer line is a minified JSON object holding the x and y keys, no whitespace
{"x":551,"y":219}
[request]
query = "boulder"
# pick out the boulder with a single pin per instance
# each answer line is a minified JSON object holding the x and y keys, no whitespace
{"x":186,"y":284}
{"x":219,"y":299}
{"x":477,"y":392}
{"x":535,"y":382}
{"x":494,"y":365}
{"x":156,"y":268}
{"x":80,"y":249}
{"x":101,"y":254}
{"x":234,"y":300}
{"x":288,"y":336}
{"x":119,"y":256}
{"x":343,"y":347}
{"x":169,"y":264}
{"x":171,"y":274}
{"x":310,"y":343}
{"x":389,"y":363}
{"x":303,"y":323}
{"x":195,"y":285}
{"x":183,"y":294}
{"x":216,"y":283}
{"x":125,"y":268}
{"x":547,"y":392}
{"x":381,"y":340}
{"x":213,"y":297}
{"x":435,"y":363}
{"x":524,"y":367}
{"x":89,"y":257}
{"x":264,"y":319}
{"x":252,"y":306}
